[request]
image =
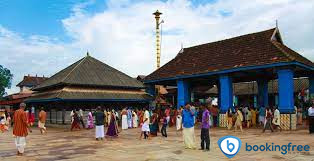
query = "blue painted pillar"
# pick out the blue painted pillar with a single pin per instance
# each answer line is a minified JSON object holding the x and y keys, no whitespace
{"x":255,"y":101}
{"x":286,"y":88}
{"x":150,"y":89}
{"x":262,"y":93}
{"x":225,"y":93}
{"x":311,"y":87}
{"x":219,"y":98}
{"x":184,"y":94}
{"x":276,"y":100}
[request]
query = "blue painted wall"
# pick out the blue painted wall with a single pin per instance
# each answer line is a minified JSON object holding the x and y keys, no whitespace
{"x":262,"y":93}
{"x":286,"y":88}
{"x":225,"y":93}
{"x":184,"y":94}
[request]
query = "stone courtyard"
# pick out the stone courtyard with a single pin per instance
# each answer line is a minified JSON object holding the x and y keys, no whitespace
{"x":62,"y":144}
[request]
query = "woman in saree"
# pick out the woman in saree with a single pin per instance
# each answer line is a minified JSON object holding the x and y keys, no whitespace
{"x":179,"y":120}
{"x":112,"y":128}
{"x":299,"y":116}
{"x":106,"y":118}
{"x":140,"y":117}
{"x":253,"y":113}
{"x":90,"y":120}
{"x":31,"y":116}
{"x":135,"y":119}
{"x":229,"y":117}
{"x":76,"y":121}
{"x":154,"y":128}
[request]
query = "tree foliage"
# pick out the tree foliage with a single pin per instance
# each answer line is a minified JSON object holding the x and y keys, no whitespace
{"x":5,"y":79}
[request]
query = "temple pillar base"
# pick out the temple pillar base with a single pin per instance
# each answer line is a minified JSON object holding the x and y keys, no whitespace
{"x":223,"y":122}
{"x":288,"y":121}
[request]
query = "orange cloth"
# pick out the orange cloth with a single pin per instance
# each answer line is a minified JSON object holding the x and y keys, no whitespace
{"x":42,"y":116}
{"x":20,"y":123}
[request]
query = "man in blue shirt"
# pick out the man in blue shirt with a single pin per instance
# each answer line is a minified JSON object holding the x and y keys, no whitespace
{"x":188,"y":127}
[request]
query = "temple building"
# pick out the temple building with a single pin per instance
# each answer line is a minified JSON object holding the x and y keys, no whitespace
{"x":86,"y":84}
{"x":26,"y":89}
{"x":259,"y":57}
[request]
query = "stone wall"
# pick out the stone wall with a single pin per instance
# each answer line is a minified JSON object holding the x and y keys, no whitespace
{"x":57,"y":117}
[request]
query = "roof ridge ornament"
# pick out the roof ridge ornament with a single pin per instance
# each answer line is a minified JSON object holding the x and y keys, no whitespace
{"x":182,"y":49}
{"x":276,"y":34}
{"x":277,"y":23}
{"x":87,"y":53}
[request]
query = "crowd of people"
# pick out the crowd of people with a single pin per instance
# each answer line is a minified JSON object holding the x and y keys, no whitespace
{"x":148,"y":121}
{"x":239,"y":117}
{"x":6,"y":118}
{"x":265,"y":118}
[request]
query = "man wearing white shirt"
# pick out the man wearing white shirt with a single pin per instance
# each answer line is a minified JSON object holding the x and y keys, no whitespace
{"x":147,"y":115}
{"x":311,"y":119}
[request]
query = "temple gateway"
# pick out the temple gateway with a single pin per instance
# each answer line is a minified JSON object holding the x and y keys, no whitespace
{"x":258,"y":57}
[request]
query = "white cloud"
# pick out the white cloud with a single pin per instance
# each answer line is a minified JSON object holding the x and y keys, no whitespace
{"x":32,"y":55}
{"x":123,"y":34}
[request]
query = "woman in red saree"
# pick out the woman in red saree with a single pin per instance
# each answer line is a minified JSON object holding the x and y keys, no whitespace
{"x":140,"y":115}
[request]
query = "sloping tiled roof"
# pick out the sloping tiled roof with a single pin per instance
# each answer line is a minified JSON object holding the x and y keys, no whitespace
{"x":31,"y":81}
{"x":91,"y":72}
{"x":70,"y":93}
{"x":248,"y":50}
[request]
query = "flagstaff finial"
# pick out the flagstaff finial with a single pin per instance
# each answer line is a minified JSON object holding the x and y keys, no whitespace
{"x":157,"y":17}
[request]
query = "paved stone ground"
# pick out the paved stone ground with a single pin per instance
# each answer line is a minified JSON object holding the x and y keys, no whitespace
{"x":61,"y":144}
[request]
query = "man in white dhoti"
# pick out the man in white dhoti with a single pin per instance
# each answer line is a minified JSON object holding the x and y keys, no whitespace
{"x":71,"y":116}
{"x":124,"y":114}
{"x":100,"y":117}
{"x":276,"y":119}
{"x":188,"y":128}
{"x":179,"y":120}
{"x":147,"y":115}
{"x":20,"y":129}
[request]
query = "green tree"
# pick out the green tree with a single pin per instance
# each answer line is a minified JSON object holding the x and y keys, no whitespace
{"x":5,"y":79}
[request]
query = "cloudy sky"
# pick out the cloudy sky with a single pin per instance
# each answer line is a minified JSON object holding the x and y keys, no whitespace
{"x":43,"y":37}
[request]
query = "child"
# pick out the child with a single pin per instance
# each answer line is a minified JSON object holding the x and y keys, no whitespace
{"x":145,"y":129}
{"x":164,"y":127}
{"x":3,"y":126}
